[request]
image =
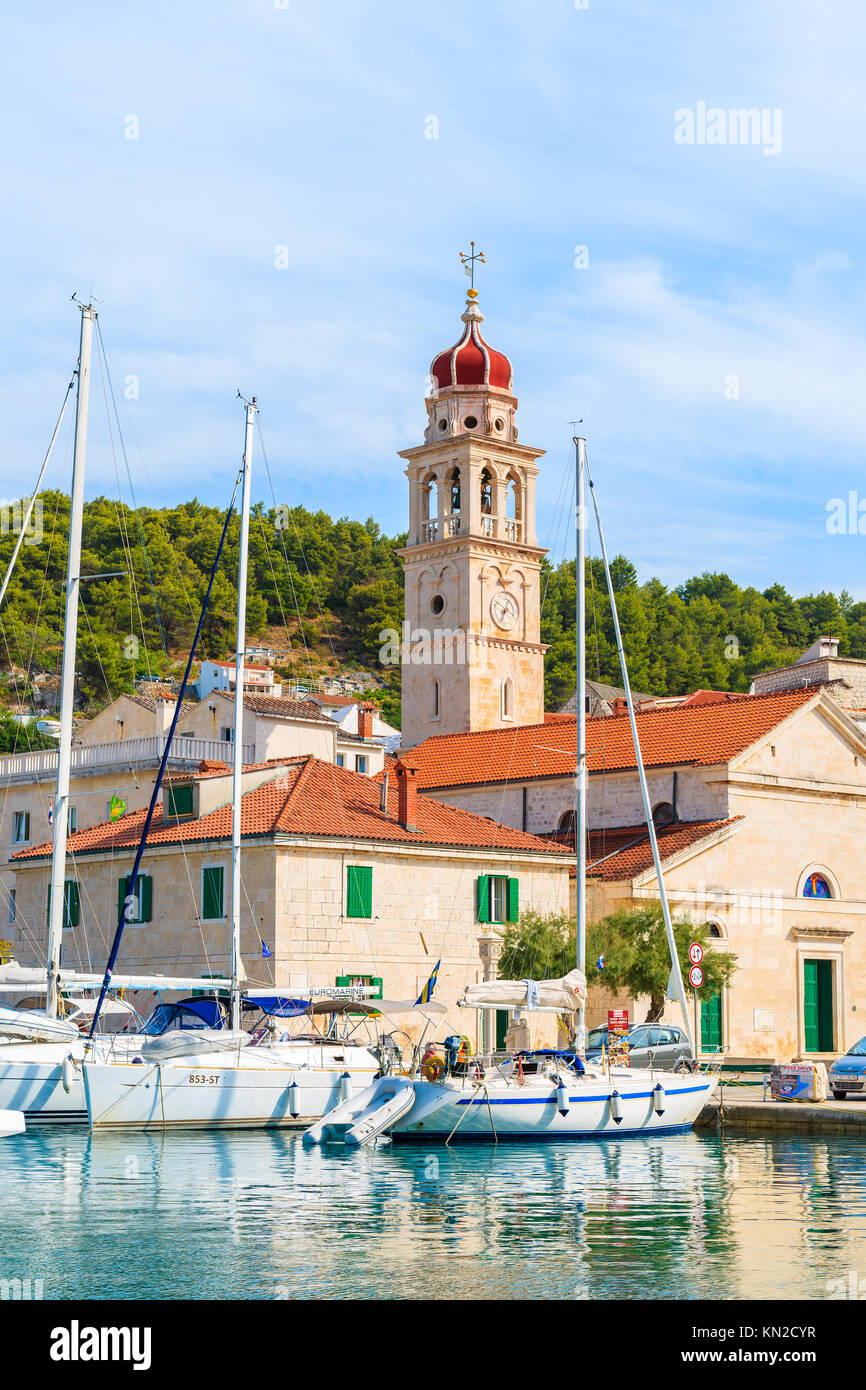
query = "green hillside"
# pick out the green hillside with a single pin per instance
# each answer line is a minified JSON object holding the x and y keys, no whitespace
{"x":325,"y":589}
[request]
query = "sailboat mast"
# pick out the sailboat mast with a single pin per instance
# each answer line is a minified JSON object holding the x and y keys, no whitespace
{"x":676,"y":976}
{"x":580,"y":773}
{"x":237,"y":747}
{"x":67,"y":678}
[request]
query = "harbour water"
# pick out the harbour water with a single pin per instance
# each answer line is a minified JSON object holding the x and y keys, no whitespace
{"x":257,"y":1216}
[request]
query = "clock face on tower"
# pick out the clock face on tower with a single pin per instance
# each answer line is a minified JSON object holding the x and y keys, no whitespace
{"x":504,"y":609}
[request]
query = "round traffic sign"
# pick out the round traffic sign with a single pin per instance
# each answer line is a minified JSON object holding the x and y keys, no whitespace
{"x":696,"y":977}
{"x":696,"y":953}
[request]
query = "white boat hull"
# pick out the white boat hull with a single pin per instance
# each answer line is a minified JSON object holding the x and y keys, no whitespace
{"x":11,"y":1122}
{"x":595,"y":1106}
{"x":532,"y":1111}
{"x":262,"y":1089}
{"x":32,"y":1077}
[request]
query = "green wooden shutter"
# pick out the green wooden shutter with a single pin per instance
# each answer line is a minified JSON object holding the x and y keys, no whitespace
{"x":359,"y":891}
{"x":121,"y":895}
{"x":212,"y":894}
{"x":810,"y":1004}
{"x":513,"y":911}
{"x":825,"y":1006}
{"x":48,"y":908}
{"x":146,"y":897}
{"x":484,"y":897}
{"x":180,"y":801}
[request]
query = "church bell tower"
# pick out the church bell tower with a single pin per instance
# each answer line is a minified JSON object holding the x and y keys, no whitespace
{"x":472,"y":658}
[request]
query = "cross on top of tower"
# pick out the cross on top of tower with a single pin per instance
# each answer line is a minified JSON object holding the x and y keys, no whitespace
{"x":469,"y":266}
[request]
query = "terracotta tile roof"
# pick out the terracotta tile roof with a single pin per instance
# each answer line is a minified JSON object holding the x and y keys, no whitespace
{"x":333,"y":701}
{"x":712,"y":697}
{"x":277,"y":707}
{"x":624,"y":851}
{"x":311,"y":798}
{"x":698,"y":735}
{"x":158,"y":692}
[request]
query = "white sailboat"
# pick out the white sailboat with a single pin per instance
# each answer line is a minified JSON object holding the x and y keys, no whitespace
{"x":41,"y":1049}
{"x":213,"y":1079}
{"x":542,"y":1093}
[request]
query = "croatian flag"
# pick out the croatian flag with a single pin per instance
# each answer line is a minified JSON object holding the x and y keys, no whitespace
{"x":51,"y":813}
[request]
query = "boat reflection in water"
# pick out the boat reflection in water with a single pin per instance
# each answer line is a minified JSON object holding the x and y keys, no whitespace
{"x":255,"y":1215}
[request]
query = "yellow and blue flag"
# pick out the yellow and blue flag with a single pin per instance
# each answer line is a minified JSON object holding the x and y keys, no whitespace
{"x":427,"y":992}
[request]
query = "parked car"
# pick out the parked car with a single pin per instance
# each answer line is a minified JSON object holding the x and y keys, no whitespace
{"x":660,"y":1045}
{"x":847,"y":1075}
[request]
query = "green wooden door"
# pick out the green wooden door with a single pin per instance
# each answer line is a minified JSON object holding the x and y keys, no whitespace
{"x":711,"y":1022}
{"x":818,"y":1005}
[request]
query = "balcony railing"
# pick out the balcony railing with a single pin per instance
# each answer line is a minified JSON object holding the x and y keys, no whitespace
{"x":497,"y":528}
{"x":90,"y":757}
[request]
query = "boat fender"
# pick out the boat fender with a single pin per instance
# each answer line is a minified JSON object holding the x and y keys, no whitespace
{"x":616,"y":1106}
{"x":659,"y":1099}
{"x":294,"y":1103}
{"x":67,"y":1073}
{"x":140,"y":1060}
{"x":345,"y":1086}
{"x":562,"y":1098}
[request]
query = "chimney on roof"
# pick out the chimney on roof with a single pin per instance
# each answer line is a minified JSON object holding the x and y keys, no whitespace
{"x":407,"y":794}
{"x":619,"y":706}
{"x":164,"y":713}
{"x":365,"y":719}
{"x":383,"y":795}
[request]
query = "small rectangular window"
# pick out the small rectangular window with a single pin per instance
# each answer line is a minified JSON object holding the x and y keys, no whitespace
{"x":359,"y":891}
{"x":361,"y":763}
{"x":20,"y":827}
{"x":141,"y":910}
{"x":180,"y":801}
{"x":212,"y":908}
{"x":11,"y":913}
{"x":498,"y":898}
{"x":71,"y":904}
{"x":228,"y":734}
{"x":341,"y":760}
{"x":72,"y":819}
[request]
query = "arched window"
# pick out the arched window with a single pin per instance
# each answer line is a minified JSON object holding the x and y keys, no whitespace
{"x":715,"y":932}
{"x":663,"y":814}
{"x":435,"y":698}
{"x":566,"y":824}
{"x":455,"y":490}
{"x":426,"y":494}
{"x":507,"y":698}
{"x":486,"y":492}
{"x":512,"y":498}
{"x":817,"y":886}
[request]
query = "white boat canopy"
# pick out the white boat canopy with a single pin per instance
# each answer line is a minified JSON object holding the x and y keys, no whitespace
{"x":14,"y":978}
{"x":565,"y":996}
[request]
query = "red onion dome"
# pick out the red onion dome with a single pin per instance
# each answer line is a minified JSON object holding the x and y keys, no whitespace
{"x":471,"y":361}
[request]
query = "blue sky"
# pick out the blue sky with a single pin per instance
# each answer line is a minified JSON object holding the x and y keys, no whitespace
{"x":305,"y":127}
